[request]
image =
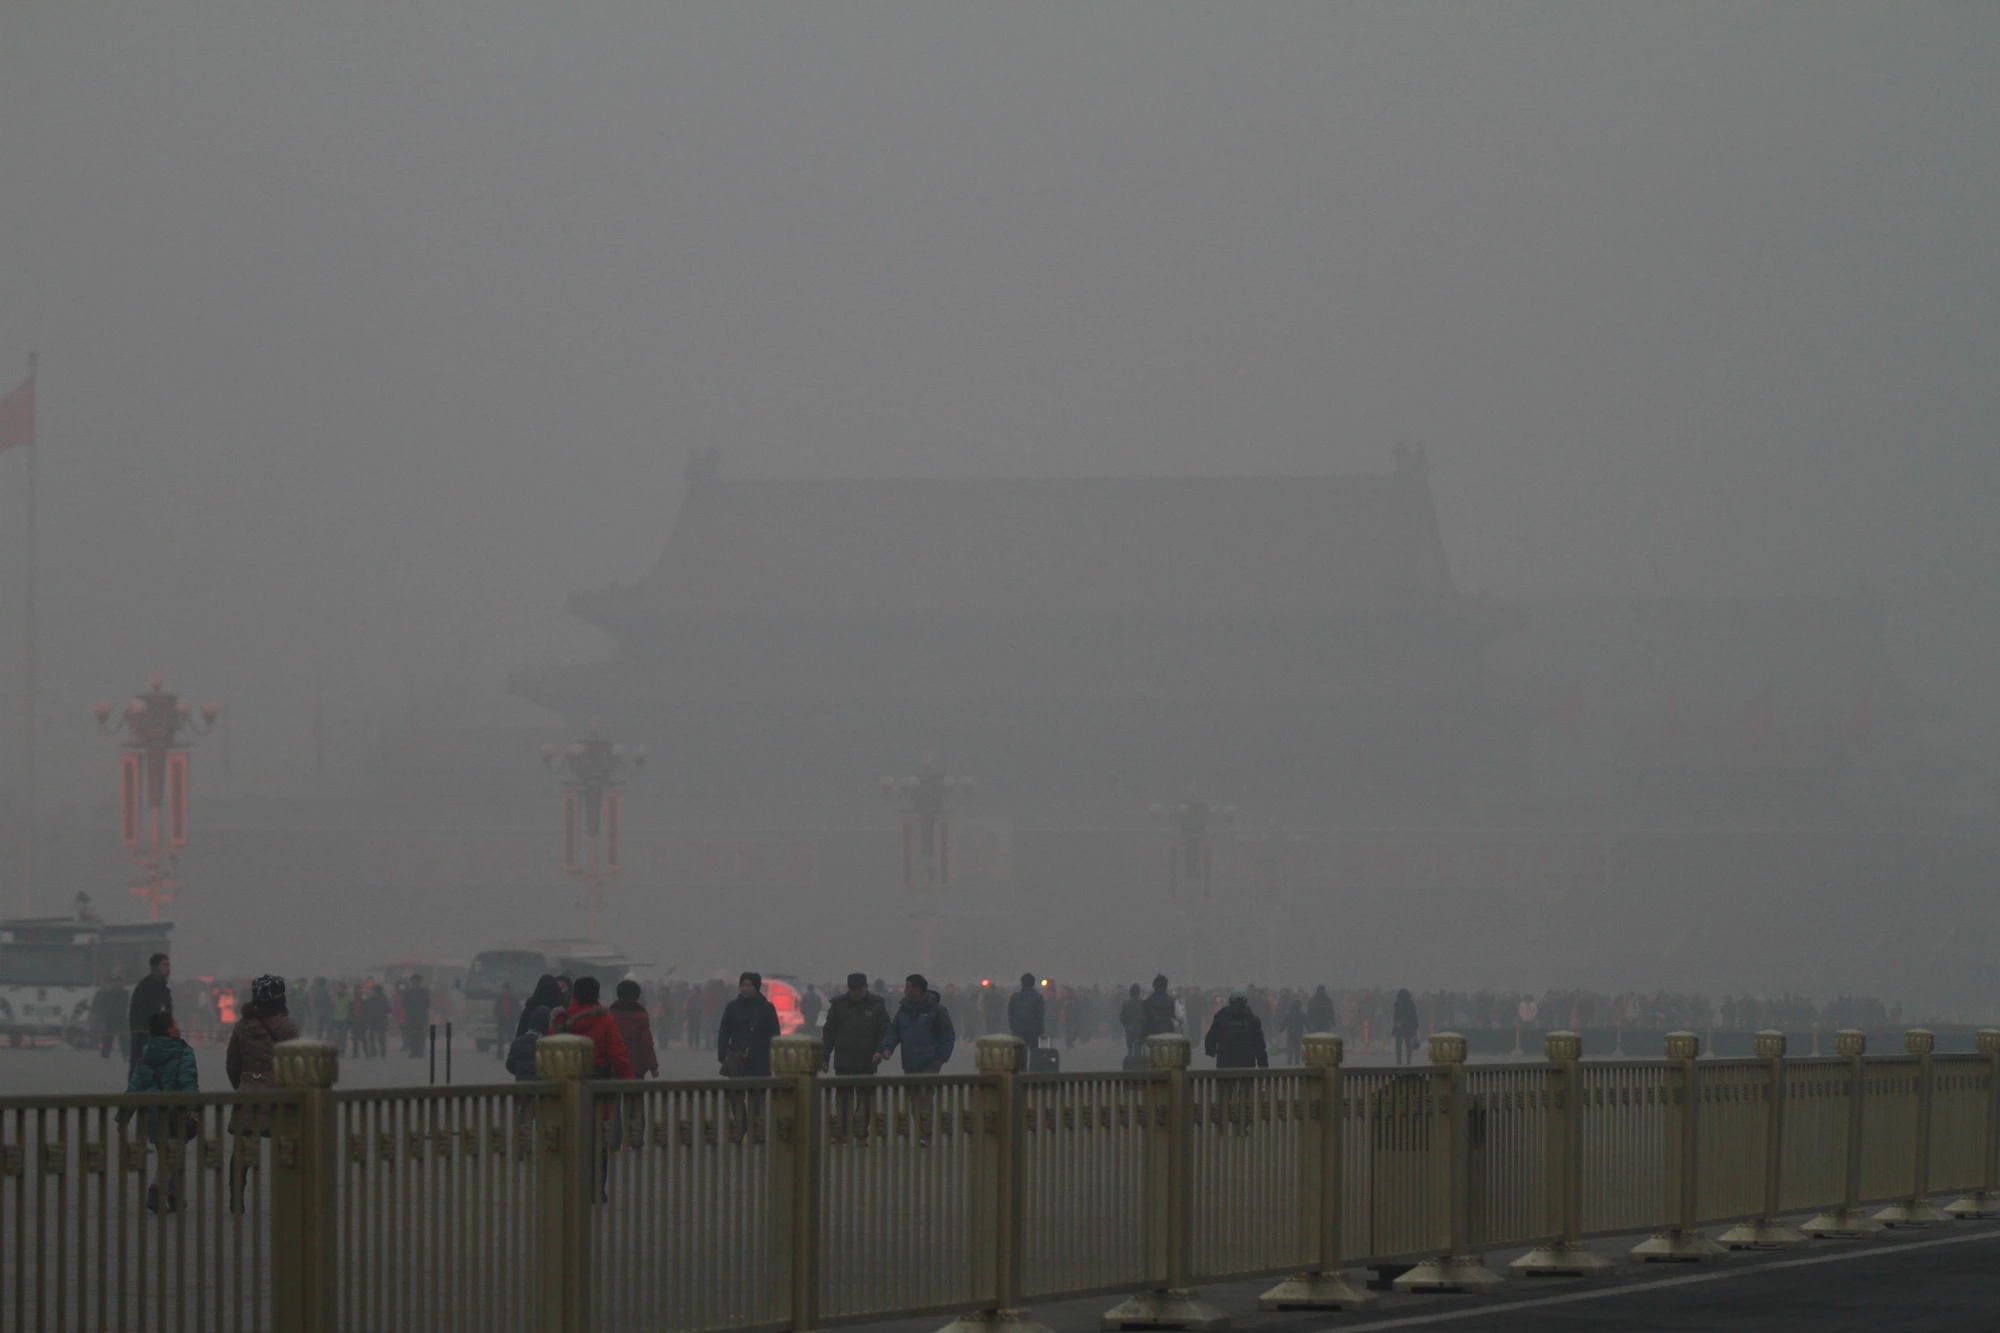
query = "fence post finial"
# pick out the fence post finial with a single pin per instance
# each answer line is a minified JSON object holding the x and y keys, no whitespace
{"x":1682,"y":1242}
{"x":1172,"y":1302}
{"x":998,"y":1170}
{"x":1571,"y":1255}
{"x":1916,"y":1208}
{"x":307,"y":1173}
{"x":1454,"y":1265}
{"x":1320,"y":1287}
{"x":1765,"y":1231}
{"x":566,"y":1165}
{"x":1849,"y":1220}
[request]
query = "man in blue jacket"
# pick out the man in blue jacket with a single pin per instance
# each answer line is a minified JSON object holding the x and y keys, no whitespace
{"x":922,"y":1027}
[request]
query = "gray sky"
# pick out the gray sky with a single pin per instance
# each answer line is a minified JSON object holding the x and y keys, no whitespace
{"x":370,"y":331}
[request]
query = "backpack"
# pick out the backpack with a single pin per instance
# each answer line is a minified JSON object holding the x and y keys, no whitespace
{"x":521,"y":1055}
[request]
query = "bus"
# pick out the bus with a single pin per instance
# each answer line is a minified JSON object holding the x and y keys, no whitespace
{"x":521,"y":965}
{"x":51,"y":968}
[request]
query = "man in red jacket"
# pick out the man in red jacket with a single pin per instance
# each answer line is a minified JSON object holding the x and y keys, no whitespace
{"x":588,"y":1018}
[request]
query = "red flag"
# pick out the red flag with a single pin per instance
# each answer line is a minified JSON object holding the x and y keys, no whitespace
{"x":17,"y":417}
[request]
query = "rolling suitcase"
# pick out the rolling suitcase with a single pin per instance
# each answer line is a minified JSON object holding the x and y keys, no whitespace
{"x":1045,"y":1060}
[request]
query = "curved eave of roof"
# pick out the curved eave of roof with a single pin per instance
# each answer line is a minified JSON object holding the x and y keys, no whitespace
{"x":1000,"y":548}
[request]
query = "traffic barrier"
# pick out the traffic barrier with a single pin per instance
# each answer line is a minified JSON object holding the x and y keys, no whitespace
{"x":799,"y":1201}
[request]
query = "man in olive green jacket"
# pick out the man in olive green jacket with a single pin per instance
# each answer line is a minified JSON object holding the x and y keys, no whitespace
{"x":855,"y":1024}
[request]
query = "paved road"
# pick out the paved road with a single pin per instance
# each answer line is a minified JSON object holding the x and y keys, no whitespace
{"x":1934,"y":1281}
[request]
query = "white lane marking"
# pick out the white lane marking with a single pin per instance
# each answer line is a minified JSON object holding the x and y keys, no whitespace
{"x":1634,"y":1288}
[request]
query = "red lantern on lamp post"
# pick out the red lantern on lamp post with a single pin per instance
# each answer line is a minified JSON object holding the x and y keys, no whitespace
{"x":592,"y":771}
{"x":152,"y":779}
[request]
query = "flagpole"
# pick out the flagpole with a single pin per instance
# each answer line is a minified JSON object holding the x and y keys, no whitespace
{"x":28,"y":684}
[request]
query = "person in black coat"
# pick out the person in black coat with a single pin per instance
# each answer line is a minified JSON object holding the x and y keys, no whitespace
{"x":151,"y":996}
{"x":1159,"y":1010}
{"x":749,"y":1022}
{"x":1236,"y":1037}
{"x":1027,"y":1014}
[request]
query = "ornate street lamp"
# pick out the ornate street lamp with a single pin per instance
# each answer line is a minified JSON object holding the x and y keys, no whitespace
{"x":592,"y":770}
{"x":152,"y":773}
{"x":927,"y":801}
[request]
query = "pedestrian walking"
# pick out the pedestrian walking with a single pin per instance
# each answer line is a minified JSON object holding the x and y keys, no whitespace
{"x":856,"y":1022}
{"x":1132,"y":1018}
{"x":1404,"y":1026}
{"x":636,"y":1027}
{"x":251,"y":1063}
{"x":1293,"y":1026}
{"x":1159,"y":1009}
{"x":1236,"y":1035}
{"x":921,"y":1028}
{"x":609,"y":1056}
{"x":1027,"y":1013}
{"x":609,"y":1059}
{"x":151,"y":996}
{"x":416,"y":1015}
{"x":167,"y":1064}
{"x":691,"y":1013}
{"x":743,"y":1037}
{"x":109,"y":1009}
{"x":322,"y":1010}
{"x":809,"y":1006}
{"x":375,"y":1010}
{"x":1319,"y":1011}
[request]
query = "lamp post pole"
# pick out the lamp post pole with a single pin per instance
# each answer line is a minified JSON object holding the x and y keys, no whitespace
{"x":1192,"y":823}
{"x":592,"y":770}
{"x":152,"y":775}
{"x":927,"y":801}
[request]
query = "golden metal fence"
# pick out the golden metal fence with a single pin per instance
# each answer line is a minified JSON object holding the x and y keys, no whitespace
{"x":1084,"y":1145}
{"x":796,"y":1201}
{"x":1817,"y":1093}
{"x":435,"y":1209}
{"x":139,"y":1212}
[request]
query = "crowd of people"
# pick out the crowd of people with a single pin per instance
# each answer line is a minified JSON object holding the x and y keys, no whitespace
{"x":363,"y":1016}
{"x":863,"y":1024}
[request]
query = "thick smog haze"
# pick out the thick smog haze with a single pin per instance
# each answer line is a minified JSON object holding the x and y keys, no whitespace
{"x":1636,"y":365}
{"x":369,"y":334}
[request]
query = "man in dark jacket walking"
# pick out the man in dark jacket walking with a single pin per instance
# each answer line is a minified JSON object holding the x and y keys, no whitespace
{"x":1132,"y":1017}
{"x":922,"y":1027}
{"x":1236,"y":1037}
{"x":1159,"y":1007}
{"x":151,"y":996}
{"x":856,"y":1022}
{"x":108,"y":1010}
{"x":1027,"y":1014}
{"x":749,"y":1022}
{"x":1319,"y":1011}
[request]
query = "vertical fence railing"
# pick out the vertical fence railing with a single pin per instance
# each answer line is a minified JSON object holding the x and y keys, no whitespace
{"x":1623,"y":1110}
{"x":1771,"y":1089}
{"x":137,"y":1212}
{"x":565,"y":1205}
{"x":1083,"y":1155}
{"x":1323,"y":1216}
{"x":1983,"y":1073}
{"x":436,"y":1207}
